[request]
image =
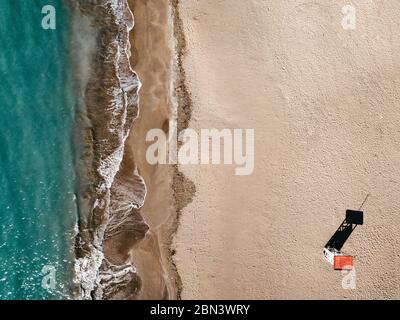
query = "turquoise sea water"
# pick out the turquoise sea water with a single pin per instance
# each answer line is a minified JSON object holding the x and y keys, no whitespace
{"x":37,"y":207}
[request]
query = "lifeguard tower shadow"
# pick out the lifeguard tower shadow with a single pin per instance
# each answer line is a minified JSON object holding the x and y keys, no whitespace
{"x":349,"y":224}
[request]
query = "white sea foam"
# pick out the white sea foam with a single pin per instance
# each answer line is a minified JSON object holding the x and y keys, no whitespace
{"x":92,"y":281}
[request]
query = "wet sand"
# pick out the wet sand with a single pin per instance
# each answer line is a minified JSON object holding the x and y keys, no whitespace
{"x":324,"y":105}
{"x":152,"y":59}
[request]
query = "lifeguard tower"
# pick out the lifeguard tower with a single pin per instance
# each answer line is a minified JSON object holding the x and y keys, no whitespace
{"x":332,"y":250}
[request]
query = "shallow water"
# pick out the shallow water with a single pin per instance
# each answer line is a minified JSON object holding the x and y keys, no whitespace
{"x":37,"y":103}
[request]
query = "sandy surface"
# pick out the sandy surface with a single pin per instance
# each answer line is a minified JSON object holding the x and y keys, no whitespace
{"x":324,"y":105}
{"x":152,"y":40}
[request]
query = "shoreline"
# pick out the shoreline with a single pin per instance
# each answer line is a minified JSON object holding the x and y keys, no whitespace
{"x":124,"y":244}
{"x":157,"y":49}
{"x":110,"y":106}
{"x":153,"y":58}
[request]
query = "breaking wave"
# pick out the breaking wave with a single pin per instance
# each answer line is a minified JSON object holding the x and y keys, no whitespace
{"x":109,"y":196}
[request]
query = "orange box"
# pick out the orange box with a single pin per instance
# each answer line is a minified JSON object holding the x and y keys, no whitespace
{"x":343,"y":263}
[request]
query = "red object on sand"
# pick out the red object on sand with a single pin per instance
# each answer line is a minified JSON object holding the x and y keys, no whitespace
{"x":343,"y":263}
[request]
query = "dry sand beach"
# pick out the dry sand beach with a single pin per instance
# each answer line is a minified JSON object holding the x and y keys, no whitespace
{"x":323,"y":102}
{"x":324,"y":105}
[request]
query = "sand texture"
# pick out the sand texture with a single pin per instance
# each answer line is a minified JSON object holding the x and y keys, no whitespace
{"x":324,"y":105}
{"x":152,"y":59}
